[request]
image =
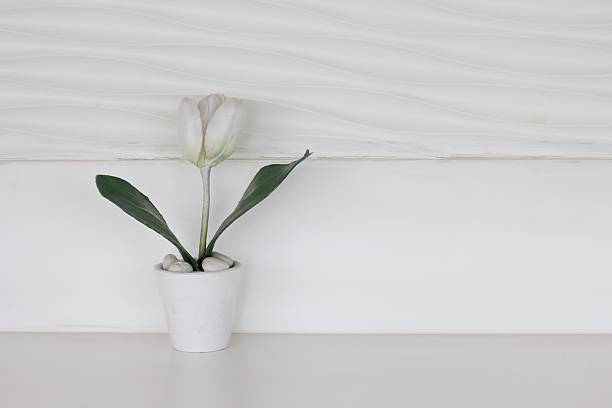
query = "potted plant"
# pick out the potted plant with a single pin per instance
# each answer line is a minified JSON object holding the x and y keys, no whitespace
{"x":199,"y":293}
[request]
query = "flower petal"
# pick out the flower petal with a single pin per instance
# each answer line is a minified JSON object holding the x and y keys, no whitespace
{"x":222,"y":132}
{"x":208,"y":106}
{"x":190,"y":130}
{"x":237,"y":124}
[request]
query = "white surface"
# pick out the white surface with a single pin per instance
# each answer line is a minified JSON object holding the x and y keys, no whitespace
{"x":356,"y":246}
{"x":93,"y":370}
{"x":200,"y":307}
{"x":391,"y":78}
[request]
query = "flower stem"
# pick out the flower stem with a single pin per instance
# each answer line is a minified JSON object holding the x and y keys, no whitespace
{"x":205,"y":207}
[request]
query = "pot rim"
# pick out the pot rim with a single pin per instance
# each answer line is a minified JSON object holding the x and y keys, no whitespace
{"x":158,"y":268}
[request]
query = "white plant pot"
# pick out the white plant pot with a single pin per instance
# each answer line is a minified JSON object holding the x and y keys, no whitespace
{"x":199,"y":307}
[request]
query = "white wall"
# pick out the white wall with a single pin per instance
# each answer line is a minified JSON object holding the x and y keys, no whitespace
{"x":506,"y":242}
{"x":348,"y":78}
{"x":342,"y":246}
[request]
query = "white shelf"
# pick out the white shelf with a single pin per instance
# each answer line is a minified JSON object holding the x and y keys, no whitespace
{"x":141,"y":370}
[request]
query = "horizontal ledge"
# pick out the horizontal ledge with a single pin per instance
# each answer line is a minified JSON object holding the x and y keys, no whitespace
{"x":325,"y":158}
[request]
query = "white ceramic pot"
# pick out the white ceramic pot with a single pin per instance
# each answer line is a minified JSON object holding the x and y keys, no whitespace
{"x":199,"y":307}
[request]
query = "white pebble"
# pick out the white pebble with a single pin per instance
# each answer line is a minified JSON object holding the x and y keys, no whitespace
{"x":224,"y":258}
{"x":168,"y":260}
{"x":212,"y":264}
{"x":180,"y":266}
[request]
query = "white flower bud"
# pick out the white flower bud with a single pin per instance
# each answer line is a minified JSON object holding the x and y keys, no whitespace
{"x":209,"y":130}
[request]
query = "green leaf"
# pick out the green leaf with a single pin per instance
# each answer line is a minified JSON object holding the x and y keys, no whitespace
{"x":265,"y":181}
{"x":138,"y":206}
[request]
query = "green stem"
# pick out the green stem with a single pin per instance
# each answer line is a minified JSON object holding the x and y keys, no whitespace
{"x":205,"y":208}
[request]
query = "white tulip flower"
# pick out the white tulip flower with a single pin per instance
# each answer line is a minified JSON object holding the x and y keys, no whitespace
{"x":209,"y":130}
{"x":208,"y":133}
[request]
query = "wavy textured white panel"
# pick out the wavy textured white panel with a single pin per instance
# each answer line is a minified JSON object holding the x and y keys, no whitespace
{"x":393,"y":79}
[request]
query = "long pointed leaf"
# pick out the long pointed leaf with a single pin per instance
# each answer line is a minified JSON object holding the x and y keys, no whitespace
{"x":139,"y":207}
{"x":265,"y":182}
